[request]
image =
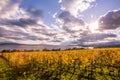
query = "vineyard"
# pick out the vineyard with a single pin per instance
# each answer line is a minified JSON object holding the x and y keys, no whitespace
{"x":87,"y":64}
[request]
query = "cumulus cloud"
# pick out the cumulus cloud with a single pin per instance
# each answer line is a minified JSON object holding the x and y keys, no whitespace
{"x":110,"y":21}
{"x":13,"y":15}
{"x":75,"y":6}
{"x":10,"y":9}
{"x":70,"y":23}
{"x":17,"y":24}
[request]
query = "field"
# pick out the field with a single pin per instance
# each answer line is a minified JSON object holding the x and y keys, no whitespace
{"x":87,"y":64}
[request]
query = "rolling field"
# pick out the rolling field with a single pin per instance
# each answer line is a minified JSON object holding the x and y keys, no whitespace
{"x":88,"y":64}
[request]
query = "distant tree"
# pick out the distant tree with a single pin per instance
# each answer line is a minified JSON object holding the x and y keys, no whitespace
{"x":3,"y":51}
{"x":37,"y":50}
{"x":68,"y":49}
{"x":14,"y":50}
{"x":59,"y":49}
{"x":34,"y":50}
{"x":74,"y":48}
{"x":45,"y":49}
{"x":56,"y":49}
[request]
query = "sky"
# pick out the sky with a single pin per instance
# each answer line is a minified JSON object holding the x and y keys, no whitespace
{"x":60,"y":22}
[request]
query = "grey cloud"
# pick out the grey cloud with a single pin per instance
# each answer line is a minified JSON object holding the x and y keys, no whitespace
{"x":56,"y":40}
{"x":15,"y":38}
{"x":69,"y":22}
{"x":35,"y":13}
{"x":11,"y":14}
{"x":20,"y":22}
{"x":110,"y":21}
{"x":92,"y":38}
{"x":68,"y":29}
{"x":11,"y":9}
{"x":18,"y":35}
{"x":34,"y":38}
{"x":15,"y":16}
{"x":44,"y":31}
{"x":75,"y":6}
{"x":96,"y":36}
{"x":67,"y":18}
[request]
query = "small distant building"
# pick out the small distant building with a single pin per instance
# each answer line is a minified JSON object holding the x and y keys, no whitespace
{"x":90,"y":47}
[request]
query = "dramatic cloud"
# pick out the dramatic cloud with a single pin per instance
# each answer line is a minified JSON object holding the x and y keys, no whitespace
{"x":97,"y":36}
{"x":110,"y":21}
{"x":94,"y":37}
{"x":29,"y":23}
{"x":19,"y":35}
{"x":13,"y":15}
{"x":70,"y":23}
{"x":75,"y":6}
{"x":17,"y":23}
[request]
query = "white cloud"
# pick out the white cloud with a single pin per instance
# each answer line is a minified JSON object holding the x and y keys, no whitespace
{"x":76,"y":6}
{"x":54,"y":15}
{"x":11,"y":10}
{"x":59,"y":1}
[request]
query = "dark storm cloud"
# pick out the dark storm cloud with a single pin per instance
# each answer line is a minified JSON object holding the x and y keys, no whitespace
{"x":20,"y":22}
{"x":110,"y":21}
{"x":69,"y":21}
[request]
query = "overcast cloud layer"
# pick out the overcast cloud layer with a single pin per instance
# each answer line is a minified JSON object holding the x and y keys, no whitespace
{"x":27,"y":26}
